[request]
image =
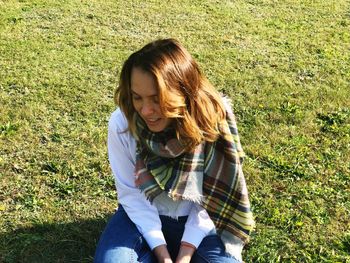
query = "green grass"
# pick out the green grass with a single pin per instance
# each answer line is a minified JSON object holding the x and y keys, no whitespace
{"x":285,"y":64}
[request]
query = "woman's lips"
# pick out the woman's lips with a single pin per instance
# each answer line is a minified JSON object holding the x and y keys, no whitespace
{"x":152,"y":121}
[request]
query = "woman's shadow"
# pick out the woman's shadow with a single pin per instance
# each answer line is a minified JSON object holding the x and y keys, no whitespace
{"x":46,"y":243}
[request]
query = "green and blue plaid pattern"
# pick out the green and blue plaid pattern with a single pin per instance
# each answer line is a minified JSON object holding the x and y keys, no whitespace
{"x":210,"y":175}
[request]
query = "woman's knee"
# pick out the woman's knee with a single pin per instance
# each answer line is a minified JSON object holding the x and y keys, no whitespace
{"x":212,"y":250}
{"x":117,"y":255}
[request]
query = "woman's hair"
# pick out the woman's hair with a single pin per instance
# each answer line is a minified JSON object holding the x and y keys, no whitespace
{"x":185,"y":95}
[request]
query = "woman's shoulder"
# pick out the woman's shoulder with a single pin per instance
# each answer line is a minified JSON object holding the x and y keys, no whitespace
{"x":227,"y":102}
{"x":118,"y":120}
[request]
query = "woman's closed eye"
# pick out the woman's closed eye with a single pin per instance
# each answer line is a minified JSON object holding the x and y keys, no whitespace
{"x":134,"y":97}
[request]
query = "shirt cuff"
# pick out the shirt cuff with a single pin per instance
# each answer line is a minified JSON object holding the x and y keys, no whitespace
{"x":193,"y":235}
{"x":154,"y":238}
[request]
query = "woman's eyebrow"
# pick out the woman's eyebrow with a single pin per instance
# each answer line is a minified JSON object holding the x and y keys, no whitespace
{"x":135,"y":93}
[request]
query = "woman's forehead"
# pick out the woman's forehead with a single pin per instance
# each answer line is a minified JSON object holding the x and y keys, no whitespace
{"x":143,"y":83}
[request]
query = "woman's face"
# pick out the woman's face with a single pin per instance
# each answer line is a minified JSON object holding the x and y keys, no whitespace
{"x":145,"y":100}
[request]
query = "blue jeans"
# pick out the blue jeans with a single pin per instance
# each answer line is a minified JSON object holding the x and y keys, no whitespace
{"x":121,"y":242}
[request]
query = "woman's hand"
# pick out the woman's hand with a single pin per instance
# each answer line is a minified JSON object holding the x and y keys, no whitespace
{"x":185,"y":253}
{"x":162,"y":254}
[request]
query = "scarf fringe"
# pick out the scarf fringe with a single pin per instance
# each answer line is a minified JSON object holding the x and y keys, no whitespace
{"x":198,"y":199}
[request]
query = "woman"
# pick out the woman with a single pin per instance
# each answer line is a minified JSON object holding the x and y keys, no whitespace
{"x":176,"y":158}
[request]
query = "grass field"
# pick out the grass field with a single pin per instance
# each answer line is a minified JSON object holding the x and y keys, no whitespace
{"x":284,"y":63}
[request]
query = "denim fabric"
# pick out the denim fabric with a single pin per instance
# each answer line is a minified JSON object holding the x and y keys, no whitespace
{"x":121,"y":242}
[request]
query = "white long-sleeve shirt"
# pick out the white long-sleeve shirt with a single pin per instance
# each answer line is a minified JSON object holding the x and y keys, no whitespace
{"x":122,"y":155}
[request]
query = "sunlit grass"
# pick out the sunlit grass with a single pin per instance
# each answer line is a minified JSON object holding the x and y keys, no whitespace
{"x":285,"y":64}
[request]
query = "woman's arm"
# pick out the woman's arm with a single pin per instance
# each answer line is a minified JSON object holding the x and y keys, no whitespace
{"x":162,"y":254}
{"x":185,"y":253}
{"x":198,"y":226}
{"x":121,"y":151}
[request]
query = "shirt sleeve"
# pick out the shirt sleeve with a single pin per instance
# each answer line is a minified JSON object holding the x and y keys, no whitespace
{"x":121,"y":152}
{"x":198,"y":226}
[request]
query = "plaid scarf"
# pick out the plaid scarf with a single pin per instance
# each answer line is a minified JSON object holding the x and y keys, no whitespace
{"x":210,"y":175}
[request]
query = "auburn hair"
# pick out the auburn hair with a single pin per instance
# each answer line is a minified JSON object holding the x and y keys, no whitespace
{"x":184,"y":94}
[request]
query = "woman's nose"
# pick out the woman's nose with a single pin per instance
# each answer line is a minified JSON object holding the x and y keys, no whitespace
{"x":147,"y":109}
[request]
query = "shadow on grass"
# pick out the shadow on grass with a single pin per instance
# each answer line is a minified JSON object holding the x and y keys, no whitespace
{"x":61,"y":242}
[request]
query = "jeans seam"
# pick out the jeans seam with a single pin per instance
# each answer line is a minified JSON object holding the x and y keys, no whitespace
{"x":134,"y":250}
{"x":138,"y":241}
{"x":206,"y":260}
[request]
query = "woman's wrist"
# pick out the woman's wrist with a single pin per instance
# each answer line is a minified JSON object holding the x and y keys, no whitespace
{"x":185,"y":253}
{"x":162,"y":254}
{"x":189,"y":245}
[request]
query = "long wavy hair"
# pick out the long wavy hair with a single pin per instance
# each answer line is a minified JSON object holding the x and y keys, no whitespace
{"x":185,"y":95}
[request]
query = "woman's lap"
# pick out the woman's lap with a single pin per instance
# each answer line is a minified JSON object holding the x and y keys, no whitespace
{"x":211,"y":249}
{"x":122,"y":242}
